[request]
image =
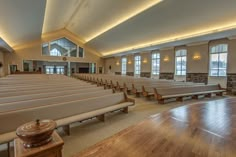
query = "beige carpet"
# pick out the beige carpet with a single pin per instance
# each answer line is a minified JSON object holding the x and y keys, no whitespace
{"x":90,"y":132}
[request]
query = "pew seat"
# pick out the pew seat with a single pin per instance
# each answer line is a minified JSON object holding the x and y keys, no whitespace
{"x":5,"y":107}
{"x":192,"y":94}
{"x":64,"y":113}
{"x":180,"y":92}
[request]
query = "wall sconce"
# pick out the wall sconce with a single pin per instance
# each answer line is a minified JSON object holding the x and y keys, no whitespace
{"x":145,"y":60}
{"x":196,"y":57}
{"x":166,"y":59}
{"x":117,"y":63}
{"x":129,"y":62}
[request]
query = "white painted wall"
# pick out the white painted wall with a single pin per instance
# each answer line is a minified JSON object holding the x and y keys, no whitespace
{"x":218,"y":80}
{"x":193,"y":66}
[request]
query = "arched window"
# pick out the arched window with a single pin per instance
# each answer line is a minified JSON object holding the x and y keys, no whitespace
{"x":123,"y":65}
{"x":155,"y":63}
{"x":218,"y":60}
{"x":180,"y":62}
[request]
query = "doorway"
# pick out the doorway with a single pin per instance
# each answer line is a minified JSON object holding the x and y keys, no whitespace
{"x":13,"y":69}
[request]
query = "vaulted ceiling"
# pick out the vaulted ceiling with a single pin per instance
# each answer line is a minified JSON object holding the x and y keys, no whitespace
{"x":119,"y":26}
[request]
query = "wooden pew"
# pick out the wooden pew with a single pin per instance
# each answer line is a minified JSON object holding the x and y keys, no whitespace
{"x":147,"y":91}
{"x":13,"y":106}
{"x":15,"y":93}
{"x":18,"y":98}
{"x":64,"y":113}
{"x":59,"y":86}
{"x":180,"y":92}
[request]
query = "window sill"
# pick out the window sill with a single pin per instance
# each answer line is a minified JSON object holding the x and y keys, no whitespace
{"x":218,"y":76}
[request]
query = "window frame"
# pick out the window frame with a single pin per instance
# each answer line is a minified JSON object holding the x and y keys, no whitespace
{"x":69,"y":55}
{"x":158,"y":61}
{"x":137,"y":61}
{"x":78,"y":51}
{"x":218,"y":53}
{"x":123,"y":66}
{"x":181,"y":56}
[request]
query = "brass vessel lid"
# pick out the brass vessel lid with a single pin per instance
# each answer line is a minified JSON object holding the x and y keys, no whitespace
{"x":35,"y":128}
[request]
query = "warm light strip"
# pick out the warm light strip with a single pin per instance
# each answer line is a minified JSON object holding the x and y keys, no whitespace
{"x":46,"y":14}
{"x":5,"y":39}
{"x":172,"y":39}
{"x":124,"y":18}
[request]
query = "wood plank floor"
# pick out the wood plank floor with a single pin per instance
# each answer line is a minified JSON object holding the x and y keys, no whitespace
{"x":199,"y":130}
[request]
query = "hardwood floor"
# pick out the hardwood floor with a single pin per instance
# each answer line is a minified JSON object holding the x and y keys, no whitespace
{"x":199,"y":130}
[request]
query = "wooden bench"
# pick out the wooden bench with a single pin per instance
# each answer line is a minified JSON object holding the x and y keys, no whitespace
{"x":64,"y":113}
{"x":15,"y":93}
{"x":147,"y":91}
{"x":38,"y":102}
{"x":59,"y":86}
{"x":17,"y":98}
{"x":161,"y":94}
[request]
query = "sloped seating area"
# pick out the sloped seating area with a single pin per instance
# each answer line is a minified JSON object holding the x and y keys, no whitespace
{"x":24,"y":98}
{"x":160,"y":89}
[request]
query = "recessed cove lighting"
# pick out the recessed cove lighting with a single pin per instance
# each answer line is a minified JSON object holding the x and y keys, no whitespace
{"x":173,"y":39}
{"x":124,"y":18}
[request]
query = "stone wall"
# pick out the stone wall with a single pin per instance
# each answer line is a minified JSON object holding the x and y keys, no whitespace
{"x":197,"y":77}
{"x":130,"y":73}
{"x":231,"y":81}
{"x":168,"y":76}
{"x":145,"y":74}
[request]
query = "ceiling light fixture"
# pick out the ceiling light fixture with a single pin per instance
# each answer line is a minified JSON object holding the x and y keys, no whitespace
{"x":172,"y":39}
{"x":124,"y":18}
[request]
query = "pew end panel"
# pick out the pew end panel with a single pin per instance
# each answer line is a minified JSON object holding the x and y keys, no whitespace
{"x":127,"y":99}
{"x":127,"y":89}
{"x":157,"y":96}
{"x":144,"y":92}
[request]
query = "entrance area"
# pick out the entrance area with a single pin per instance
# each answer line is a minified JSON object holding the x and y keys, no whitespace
{"x":55,"y":70}
{"x":63,"y":68}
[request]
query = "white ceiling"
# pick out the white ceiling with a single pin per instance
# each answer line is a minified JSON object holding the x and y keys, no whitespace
{"x":21,"y":20}
{"x":87,"y":17}
{"x":4,"y":47}
{"x":171,"y":18}
{"x":110,"y":27}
